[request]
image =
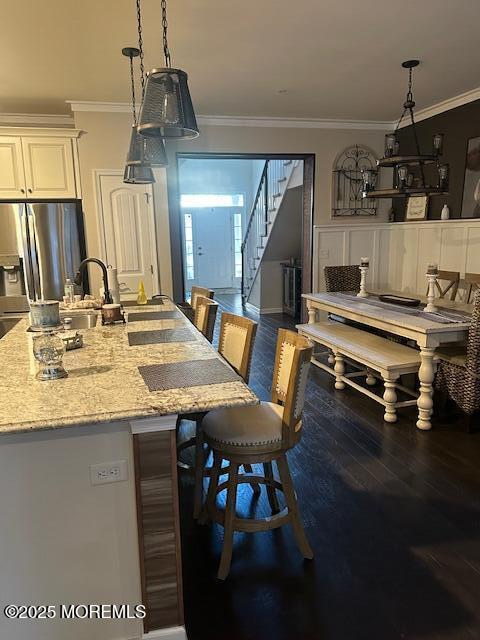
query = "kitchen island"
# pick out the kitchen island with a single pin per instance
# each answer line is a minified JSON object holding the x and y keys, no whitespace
{"x":71,"y":535}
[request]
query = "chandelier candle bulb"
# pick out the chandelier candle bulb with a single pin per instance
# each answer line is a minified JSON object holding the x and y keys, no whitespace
{"x":438,"y":144}
{"x":364,"y":265}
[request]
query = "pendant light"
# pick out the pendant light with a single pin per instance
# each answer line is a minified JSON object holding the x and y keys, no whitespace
{"x":167,"y":110}
{"x":137,"y":170}
{"x":408,"y":170}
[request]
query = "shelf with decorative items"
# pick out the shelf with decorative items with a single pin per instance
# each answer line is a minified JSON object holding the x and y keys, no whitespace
{"x":409,"y":173}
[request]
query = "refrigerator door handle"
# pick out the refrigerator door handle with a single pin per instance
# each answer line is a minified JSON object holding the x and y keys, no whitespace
{"x":27,"y":262}
{"x":34,"y":253}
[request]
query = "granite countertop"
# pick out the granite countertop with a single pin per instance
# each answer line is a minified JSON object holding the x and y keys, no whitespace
{"x":104,"y":384}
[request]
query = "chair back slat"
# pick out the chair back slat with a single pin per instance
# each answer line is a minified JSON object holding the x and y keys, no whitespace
{"x":342,"y":278}
{"x":473,"y":282}
{"x":205,"y":314}
{"x":452,"y":279}
{"x":237,"y":335}
{"x":292,"y":362}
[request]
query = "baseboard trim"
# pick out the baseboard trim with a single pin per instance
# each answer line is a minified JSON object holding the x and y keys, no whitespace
{"x":169,"y":633}
{"x":252,"y":307}
{"x":271,"y":310}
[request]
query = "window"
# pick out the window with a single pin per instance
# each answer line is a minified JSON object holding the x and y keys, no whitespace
{"x":190,"y":269}
{"x":211,"y":200}
{"x":237,"y":243}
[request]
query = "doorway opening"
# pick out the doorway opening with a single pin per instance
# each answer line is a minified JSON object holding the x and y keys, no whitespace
{"x":240,"y":221}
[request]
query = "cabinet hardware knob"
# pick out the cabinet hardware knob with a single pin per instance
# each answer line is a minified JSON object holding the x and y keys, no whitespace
{"x":22,"y":190}
{"x":30,"y":191}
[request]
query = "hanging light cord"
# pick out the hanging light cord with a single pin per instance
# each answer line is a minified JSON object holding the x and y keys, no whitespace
{"x":166,"y":51}
{"x":140,"y":47}
{"x":132,"y":79}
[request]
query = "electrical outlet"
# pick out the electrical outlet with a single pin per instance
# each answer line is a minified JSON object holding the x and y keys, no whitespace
{"x":107,"y":472}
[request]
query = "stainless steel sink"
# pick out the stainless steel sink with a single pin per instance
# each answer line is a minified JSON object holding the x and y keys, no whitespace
{"x":79,"y":320}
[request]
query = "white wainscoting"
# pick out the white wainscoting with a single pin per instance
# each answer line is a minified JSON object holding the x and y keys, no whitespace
{"x":399,"y":252}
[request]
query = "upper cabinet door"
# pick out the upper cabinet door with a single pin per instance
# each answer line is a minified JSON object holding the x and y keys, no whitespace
{"x":12,"y":178}
{"x":49,"y":168}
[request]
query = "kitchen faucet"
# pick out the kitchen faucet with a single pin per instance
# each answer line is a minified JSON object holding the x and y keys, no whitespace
{"x":81,"y":270}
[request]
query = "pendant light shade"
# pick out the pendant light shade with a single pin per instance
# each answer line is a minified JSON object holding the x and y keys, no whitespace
{"x":145,"y":150}
{"x":138,"y":174}
{"x":167,"y":109}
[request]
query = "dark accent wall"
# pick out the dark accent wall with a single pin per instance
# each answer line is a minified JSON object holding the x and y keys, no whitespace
{"x":458,"y":125}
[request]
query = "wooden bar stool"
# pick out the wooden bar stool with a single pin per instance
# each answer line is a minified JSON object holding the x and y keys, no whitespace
{"x":473,"y":282}
{"x":188,"y":308}
{"x":261,"y":434}
{"x":205,"y":315}
{"x":237,"y":336}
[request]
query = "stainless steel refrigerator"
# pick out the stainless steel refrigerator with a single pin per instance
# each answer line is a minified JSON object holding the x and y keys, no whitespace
{"x":51,"y":244}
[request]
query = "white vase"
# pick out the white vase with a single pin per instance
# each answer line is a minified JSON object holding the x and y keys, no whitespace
{"x":445,"y":215}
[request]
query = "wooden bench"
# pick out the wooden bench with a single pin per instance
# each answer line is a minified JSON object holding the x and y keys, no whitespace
{"x":375,"y":353}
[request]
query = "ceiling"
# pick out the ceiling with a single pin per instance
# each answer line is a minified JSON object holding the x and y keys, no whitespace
{"x":271,"y":58}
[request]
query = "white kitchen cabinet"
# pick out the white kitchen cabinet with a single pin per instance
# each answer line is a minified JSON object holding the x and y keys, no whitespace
{"x":49,"y":169}
{"x":39,"y":164}
{"x":12,"y":176}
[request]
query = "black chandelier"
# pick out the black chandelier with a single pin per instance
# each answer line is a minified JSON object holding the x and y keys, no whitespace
{"x":167,"y":109}
{"x":408,"y":170}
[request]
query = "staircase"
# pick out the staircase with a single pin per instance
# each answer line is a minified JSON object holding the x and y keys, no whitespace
{"x":272,"y":187}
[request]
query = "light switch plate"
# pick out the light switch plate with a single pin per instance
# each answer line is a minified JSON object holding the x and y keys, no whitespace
{"x":107,"y":472}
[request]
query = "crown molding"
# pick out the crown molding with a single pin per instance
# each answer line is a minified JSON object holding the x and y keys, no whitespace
{"x":243,"y":121}
{"x":445,"y":105}
{"x":41,"y":132}
{"x":293,"y":123}
{"x":37,"y":119}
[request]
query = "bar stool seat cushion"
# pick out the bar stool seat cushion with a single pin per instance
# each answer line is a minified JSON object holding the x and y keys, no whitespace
{"x":257,"y":426}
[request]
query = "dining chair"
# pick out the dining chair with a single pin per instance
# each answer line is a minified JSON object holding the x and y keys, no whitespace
{"x":473,"y":282}
{"x":458,"y":371}
{"x":205,"y":315}
{"x":260,"y":434}
{"x":342,"y":278}
{"x":188,"y":308}
{"x":452,"y":279}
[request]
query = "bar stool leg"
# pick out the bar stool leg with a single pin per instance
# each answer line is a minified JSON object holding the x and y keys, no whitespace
{"x":255,"y":486}
{"x":199,"y":467}
{"x":291,"y":501}
{"x":209,"y":505}
{"x":231,"y":503}
{"x":271,"y":493}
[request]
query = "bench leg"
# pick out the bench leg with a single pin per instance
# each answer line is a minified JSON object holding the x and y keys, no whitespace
{"x":390,"y":397}
{"x":339,"y":371}
{"x":370,"y":379}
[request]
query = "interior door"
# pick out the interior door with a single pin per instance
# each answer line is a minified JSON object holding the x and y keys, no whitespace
{"x":213,"y":247}
{"x":12,"y":177}
{"x":129,"y":233}
{"x":49,"y":169}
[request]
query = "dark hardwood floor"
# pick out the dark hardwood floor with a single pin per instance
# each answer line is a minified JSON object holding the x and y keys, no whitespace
{"x":392,"y":514}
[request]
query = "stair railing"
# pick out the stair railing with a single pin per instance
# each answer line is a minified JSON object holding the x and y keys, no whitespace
{"x":257,"y":228}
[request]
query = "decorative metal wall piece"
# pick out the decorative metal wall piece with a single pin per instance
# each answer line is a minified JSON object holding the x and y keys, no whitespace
{"x":347,"y":197}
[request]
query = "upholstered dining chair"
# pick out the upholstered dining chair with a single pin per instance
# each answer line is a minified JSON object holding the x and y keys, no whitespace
{"x":458,"y":371}
{"x":188,"y":308}
{"x":451,"y":279}
{"x":260,"y":434}
{"x":342,"y":278}
{"x":205,"y":315}
{"x":473,"y":282}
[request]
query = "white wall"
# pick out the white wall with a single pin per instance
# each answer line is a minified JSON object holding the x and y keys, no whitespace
{"x":105,"y":143}
{"x":63,"y":540}
{"x":399,"y":252}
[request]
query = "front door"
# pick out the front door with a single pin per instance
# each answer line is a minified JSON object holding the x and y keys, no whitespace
{"x":209,"y":247}
{"x":129,"y":233}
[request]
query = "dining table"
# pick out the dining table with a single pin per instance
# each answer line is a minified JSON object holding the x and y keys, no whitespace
{"x":449,"y":324}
